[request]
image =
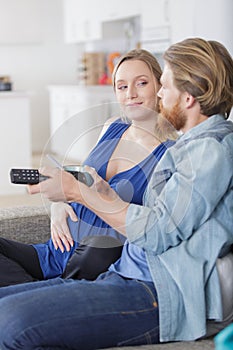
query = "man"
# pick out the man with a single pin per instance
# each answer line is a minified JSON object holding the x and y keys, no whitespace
{"x":165,"y":287}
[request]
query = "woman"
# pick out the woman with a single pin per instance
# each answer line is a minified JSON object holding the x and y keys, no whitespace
{"x":125,"y":155}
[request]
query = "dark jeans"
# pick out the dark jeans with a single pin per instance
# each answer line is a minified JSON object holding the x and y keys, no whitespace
{"x":71,"y":314}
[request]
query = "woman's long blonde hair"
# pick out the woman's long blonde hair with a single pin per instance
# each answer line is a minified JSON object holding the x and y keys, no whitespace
{"x":163,"y":129}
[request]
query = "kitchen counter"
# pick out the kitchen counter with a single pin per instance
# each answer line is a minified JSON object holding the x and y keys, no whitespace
{"x":14,"y":94}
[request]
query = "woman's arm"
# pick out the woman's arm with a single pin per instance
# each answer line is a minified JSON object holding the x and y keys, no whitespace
{"x":60,"y":233}
{"x":100,"y":197}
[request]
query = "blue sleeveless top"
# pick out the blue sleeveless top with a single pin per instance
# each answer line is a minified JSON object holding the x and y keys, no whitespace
{"x":130,"y":186}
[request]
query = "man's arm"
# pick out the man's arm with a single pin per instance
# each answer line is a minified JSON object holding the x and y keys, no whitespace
{"x":197,"y":185}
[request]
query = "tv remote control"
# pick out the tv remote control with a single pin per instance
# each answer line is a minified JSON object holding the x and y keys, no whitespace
{"x":80,"y":175}
{"x":32,"y":177}
{"x":84,"y":177}
{"x":26,"y":176}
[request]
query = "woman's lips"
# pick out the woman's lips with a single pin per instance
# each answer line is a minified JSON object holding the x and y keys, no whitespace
{"x":135,"y":104}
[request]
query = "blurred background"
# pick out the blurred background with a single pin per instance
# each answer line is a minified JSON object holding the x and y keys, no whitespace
{"x":56,"y":59}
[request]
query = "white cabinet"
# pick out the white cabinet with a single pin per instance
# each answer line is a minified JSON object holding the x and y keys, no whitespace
{"x":81,"y":20}
{"x":77,"y":115}
{"x":117,"y":10}
{"x":155,"y":25}
{"x":15,"y":138}
{"x":162,"y":22}
{"x":155,"y":13}
{"x":84,"y":20}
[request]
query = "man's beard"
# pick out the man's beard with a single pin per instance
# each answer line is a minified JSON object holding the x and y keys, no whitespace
{"x":175,"y":115}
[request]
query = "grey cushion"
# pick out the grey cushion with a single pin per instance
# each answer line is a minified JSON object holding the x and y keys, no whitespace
{"x":225,"y":272}
{"x":25,"y":224}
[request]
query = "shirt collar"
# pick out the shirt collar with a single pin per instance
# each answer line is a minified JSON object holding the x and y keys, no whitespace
{"x":200,"y":128}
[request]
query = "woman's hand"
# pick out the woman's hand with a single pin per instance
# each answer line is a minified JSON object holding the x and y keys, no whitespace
{"x":100,"y":197}
{"x":60,"y":233}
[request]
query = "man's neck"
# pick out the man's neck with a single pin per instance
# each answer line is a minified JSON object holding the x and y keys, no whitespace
{"x":193,"y":121}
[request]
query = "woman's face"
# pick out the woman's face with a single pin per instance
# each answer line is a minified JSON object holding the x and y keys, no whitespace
{"x":136,"y":89}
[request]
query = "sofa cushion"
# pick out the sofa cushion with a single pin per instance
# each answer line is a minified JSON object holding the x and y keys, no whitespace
{"x":225,"y":271}
{"x":25,"y":224}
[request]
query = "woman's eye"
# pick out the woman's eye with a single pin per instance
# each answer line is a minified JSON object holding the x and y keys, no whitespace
{"x":142,"y":83}
{"x":122,"y":87}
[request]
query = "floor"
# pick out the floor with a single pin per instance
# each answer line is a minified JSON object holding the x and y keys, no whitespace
{"x":20,"y":200}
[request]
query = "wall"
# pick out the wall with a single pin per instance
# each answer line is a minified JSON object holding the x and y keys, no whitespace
{"x":210,"y":19}
{"x":220,"y":24}
{"x":48,"y":61}
{"x":214,"y":21}
{"x":34,"y":66}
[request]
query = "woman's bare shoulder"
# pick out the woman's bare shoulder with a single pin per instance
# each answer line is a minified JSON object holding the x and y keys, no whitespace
{"x":107,"y":123}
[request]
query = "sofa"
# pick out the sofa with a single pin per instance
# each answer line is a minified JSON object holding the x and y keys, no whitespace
{"x":32,"y":225}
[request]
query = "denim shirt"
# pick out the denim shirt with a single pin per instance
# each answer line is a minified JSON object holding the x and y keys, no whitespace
{"x":186,"y":223}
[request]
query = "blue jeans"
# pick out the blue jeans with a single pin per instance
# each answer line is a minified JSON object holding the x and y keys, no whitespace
{"x":71,"y":314}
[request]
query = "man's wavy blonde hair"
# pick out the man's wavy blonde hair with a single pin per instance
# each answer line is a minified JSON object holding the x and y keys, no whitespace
{"x":205,"y":70}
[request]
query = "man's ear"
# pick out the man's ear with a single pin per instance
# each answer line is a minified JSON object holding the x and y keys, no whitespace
{"x":189,"y":100}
